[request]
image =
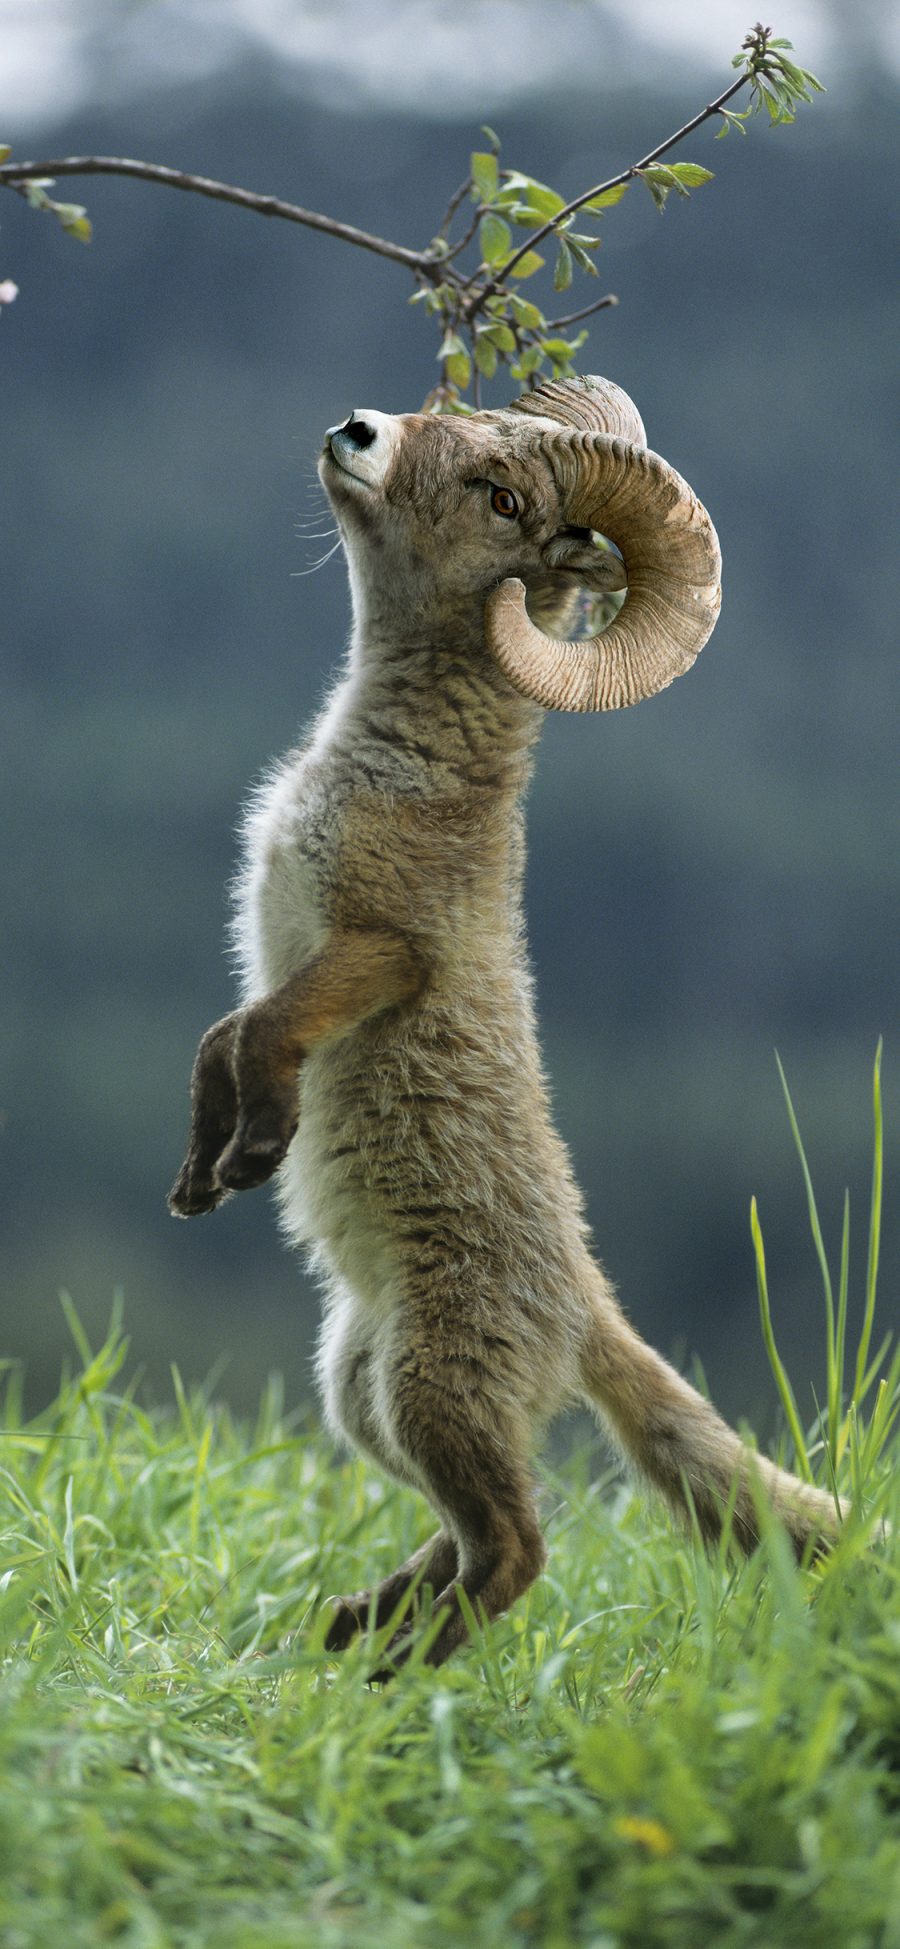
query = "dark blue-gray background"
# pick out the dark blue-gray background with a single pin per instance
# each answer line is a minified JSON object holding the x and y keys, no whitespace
{"x":711,"y":876}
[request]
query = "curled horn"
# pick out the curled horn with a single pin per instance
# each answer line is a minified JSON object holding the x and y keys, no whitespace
{"x":609,"y":481}
{"x":593,"y":404}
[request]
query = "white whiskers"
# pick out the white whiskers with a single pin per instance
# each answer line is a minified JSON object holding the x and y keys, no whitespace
{"x":307,"y":528}
{"x":321,"y":561}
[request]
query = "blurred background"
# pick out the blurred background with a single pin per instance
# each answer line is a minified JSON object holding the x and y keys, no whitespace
{"x":711,"y":876}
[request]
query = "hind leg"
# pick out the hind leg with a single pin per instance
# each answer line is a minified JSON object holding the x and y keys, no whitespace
{"x":435,"y":1564}
{"x":472,"y":1464}
{"x":347,"y":1367}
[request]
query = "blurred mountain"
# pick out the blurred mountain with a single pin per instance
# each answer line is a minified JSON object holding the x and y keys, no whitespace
{"x":712,"y":875}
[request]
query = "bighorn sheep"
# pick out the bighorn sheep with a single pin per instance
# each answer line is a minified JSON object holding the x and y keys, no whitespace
{"x":380,"y":933}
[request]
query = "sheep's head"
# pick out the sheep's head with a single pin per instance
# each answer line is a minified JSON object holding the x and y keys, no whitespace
{"x":496,"y":507}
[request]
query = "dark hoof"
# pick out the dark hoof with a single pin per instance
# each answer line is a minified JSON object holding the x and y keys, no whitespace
{"x":189,"y":1200}
{"x":254,"y":1153}
{"x":397,"y":1655}
{"x":345,"y":1625}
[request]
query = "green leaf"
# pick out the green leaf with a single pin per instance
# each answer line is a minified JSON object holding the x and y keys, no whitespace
{"x":501,"y":336}
{"x":732,"y":120}
{"x":491,"y":134}
{"x":584,"y":262}
{"x":664,"y":178}
{"x":428,"y":298}
{"x":528,"y":264}
{"x":451,"y":343}
{"x":777,"y":113}
{"x":36,"y":192}
{"x":691,"y":173}
{"x":796,"y":78}
{"x":562,"y":350}
{"x":72,"y":216}
{"x":607,"y":198}
{"x":74,"y":220}
{"x":459,"y":368}
{"x":526,"y":214}
{"x":484,"y":175}
{"x":562,"y":275}
{"x":485,"y":355}
{"x":658,"y":191}
{"x":537,"y":196}
{"x":495,"y":238}
{"x":528,"y":363}
{"x":5,"y":151}
{"x":524,"y":312}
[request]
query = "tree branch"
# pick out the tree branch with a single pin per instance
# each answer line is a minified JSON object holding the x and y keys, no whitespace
{"x":613,"y":182}
{"x":514,"y":331}
{"x":15,"y":174}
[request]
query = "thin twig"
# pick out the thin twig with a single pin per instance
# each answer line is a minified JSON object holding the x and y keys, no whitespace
{"x":453,"y":205}
{"x":15,"y":174}
{"x":556,"y":324}
{"x":466,"y":238}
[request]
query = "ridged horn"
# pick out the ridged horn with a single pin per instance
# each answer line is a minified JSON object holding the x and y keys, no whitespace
{"x":592,"y":404}
{"x":671,"y":555}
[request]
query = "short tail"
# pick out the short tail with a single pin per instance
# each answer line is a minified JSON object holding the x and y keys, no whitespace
{"x":684,"y":1448}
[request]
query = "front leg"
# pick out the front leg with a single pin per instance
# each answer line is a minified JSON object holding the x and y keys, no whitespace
{"x":214,"y":1112}
{"x":244,"y":1083}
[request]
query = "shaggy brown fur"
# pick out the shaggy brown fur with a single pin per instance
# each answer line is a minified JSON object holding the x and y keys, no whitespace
{"x":386,"y":1062}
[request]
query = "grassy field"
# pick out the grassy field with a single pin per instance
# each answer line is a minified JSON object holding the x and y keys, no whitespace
{"x":656,"y":1747}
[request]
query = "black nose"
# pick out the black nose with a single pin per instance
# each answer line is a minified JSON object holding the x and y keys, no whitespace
{"x":359,"y":431}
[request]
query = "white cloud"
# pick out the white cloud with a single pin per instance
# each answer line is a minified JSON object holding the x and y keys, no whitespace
{"x":44,"y":70}
{"x":436,"y":56}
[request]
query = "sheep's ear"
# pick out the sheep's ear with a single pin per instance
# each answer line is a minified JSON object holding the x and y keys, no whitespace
{"x":588,"y":559}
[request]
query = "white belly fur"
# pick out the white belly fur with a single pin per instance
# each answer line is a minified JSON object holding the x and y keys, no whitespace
{"x":280,"y":917}
{"x":280,"y":921}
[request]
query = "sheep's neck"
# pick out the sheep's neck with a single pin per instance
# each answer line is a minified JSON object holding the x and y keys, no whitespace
{"x":443,"y":708}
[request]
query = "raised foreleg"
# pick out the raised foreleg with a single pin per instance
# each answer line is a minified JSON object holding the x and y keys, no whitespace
{"x":244,"y":1107}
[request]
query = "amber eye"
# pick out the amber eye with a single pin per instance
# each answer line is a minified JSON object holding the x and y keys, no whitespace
{"x":503,"y":501}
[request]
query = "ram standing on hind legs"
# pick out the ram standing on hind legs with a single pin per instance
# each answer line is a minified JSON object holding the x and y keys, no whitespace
{"x":385,"y":1062}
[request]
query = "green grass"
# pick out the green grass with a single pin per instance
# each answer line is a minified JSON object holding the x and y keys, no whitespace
{"x":657,"y":1746}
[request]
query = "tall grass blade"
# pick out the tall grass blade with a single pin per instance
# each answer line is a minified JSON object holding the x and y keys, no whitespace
{"x":836,"y":1392}
{"x":775,"y":1361}
{"x":816,"y":1230}
{"x":874,"y":1223}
